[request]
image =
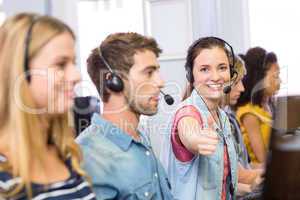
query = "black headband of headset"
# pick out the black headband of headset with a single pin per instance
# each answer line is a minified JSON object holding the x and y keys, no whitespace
{"x":27,"y":44}
{"x":232,"y":55}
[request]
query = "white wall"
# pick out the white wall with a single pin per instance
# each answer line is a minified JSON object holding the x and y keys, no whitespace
{"x":12,"y":7}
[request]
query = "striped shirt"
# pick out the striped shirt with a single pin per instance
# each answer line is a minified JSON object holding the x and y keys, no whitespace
{"x":75,"y":188}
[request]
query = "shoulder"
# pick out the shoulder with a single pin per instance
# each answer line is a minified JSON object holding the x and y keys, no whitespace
{"x":247,"y":109}
{"x":252,"y":111}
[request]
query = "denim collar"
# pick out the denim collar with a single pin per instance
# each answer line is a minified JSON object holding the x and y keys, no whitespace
{"x":195,"y":98}
{"x":112,"y":132}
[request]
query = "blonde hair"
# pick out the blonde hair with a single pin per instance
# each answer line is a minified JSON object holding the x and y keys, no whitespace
{"x":239,"y":67}
{"x":25,"y":132}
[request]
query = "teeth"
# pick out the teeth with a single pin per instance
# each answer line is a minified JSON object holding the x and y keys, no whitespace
{"x":215,"y":86}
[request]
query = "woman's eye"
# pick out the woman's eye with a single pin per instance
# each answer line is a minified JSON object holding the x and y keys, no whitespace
{"x":223,"y":68}
{"x":61,"y":65}
{"x":204,"y":69}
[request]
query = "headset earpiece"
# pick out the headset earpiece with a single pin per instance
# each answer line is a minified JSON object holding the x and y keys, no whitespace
{"x":27,"y":44}
{"x":233,"y":72}
{"x":189,"y":75}
{"x":114,"y":82}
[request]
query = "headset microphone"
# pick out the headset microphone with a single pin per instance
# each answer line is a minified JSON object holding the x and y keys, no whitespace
{"x":168,"y":98}
{"x":227,"y":88}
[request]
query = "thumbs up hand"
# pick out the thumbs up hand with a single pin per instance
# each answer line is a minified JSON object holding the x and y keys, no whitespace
{"x":207,"y":139}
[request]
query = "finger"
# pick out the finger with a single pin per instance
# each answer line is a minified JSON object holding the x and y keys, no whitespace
{"x":206,"y":153}
{"x":211,"y":134}
{"x":206,"y":147}
{"x":206,"y":139}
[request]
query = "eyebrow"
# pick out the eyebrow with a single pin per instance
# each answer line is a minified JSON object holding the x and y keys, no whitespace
{"x":154,"y":67}
{"x":227,"y":64}
{"x":63,"y":58}
{"x":207,"y":65}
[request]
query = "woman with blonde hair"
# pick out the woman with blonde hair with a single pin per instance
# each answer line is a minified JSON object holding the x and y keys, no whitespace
{"x":39,"y":157}
{"x":248,"y":178}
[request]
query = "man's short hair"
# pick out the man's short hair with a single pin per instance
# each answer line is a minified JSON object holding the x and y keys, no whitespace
{"x":118,"y":50}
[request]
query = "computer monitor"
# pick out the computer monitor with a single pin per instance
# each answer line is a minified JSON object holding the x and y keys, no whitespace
{"x":287,"y":114}
{"x":282,"y":179}
{"x":84,"y":108}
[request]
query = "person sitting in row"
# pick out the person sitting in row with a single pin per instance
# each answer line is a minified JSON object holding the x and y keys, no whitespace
{"x":248,"y":178}
{"x":254,"y":111}
{"x":199,"y":153}
{"x":118,"y":157}
{"x":39,"y":156}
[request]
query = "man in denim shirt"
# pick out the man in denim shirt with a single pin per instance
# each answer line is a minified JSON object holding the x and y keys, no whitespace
{"x":117,"y":157}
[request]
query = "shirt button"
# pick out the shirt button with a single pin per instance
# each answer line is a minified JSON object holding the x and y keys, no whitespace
{"x":146,"y":194}
{"x":147,"y":153}
{"x":155,"y":175}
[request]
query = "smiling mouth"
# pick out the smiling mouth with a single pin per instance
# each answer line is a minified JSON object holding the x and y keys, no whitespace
{"x":216,"y":87}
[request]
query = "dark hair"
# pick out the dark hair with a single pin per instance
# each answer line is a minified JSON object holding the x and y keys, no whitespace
{"x":118,"y":50}
{"x":258,"y":62}
{"x":242,"y":56}
{"x":193,"y":51}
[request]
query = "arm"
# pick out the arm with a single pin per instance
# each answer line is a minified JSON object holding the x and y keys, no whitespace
{"x":252,"y":126}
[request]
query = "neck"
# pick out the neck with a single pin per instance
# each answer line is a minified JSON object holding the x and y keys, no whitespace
{"x":124,"y":118}
{"x":212,"y":105}
{"x":266,"y":100}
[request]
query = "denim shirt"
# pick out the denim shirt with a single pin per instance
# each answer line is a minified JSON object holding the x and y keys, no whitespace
{"x":120,"y":167}
{"x":240,"y":147}
{"x":202,"y":177}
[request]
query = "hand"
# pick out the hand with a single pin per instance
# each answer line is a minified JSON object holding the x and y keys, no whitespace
{"x":243,"y":189}
{"x":257,"y":181}
{"x":207,"y":139}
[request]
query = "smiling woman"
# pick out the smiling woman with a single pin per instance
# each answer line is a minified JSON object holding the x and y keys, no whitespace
{"x":199,"y":132}
{"x":37,"y":147}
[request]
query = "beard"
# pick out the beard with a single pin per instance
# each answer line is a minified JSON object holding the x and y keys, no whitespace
{"x":139,"y":106}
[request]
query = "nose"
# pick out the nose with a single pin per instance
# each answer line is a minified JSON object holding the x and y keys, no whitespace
{"x":159,"y":81}
{"x":241,"y":86}
{"x":215,"y":75}
{"x":73,"y":75}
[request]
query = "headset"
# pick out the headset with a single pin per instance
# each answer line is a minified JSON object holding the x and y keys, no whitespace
{"x":116,"y":84}
{"x":189,"y":61}
{"x":27,"y":44}
{"x":114,"y":81}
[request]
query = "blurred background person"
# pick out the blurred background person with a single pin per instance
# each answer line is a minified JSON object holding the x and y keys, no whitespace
{"x":254,"y":107}
{"x":248,"y":178}
{"x":39,"y":157}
